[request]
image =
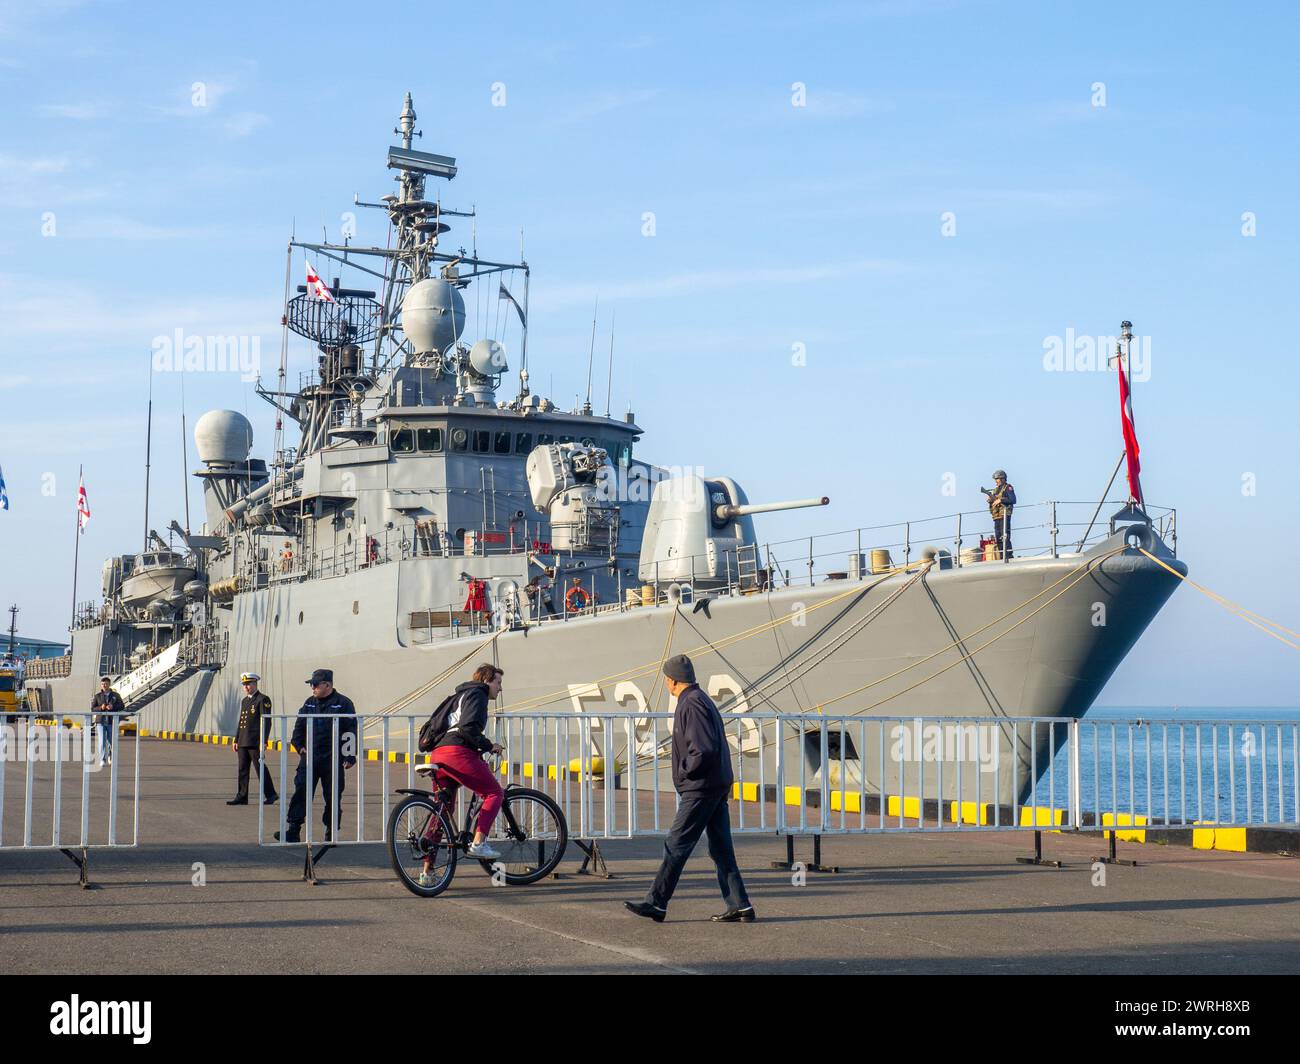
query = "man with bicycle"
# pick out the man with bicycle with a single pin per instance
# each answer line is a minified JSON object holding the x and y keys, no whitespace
{"x":460,"y":752}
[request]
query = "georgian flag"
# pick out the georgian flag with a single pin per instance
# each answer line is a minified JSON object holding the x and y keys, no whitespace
{"x":4,"y":495}
{"x":316,"y":288}
{"x":1131,"y":451}
{"x":83,"y":507}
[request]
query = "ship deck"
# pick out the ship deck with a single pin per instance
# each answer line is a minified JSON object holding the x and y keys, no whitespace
{"x":901,"y":905}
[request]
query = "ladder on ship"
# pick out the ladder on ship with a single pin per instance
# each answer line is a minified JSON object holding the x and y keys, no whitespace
{"x":172,"y":666}
{"x":747,"y":566}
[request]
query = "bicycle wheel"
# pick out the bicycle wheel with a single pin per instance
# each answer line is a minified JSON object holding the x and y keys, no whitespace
{"x":531,"y":834}
{"x":418,"y":828}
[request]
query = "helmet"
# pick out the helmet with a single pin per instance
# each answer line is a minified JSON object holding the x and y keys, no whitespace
{"x":999,"y":474}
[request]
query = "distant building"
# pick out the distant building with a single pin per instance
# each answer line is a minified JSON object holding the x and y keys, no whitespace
{"x":26,"y":647}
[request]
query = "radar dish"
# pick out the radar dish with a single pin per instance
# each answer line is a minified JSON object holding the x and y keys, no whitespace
{"x":352,"y":318}
{"x":488,"y":357}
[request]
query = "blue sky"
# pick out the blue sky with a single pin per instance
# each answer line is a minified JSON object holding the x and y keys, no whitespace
{"x":775,"y":225}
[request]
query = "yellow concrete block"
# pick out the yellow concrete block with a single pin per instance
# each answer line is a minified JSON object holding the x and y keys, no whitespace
{"x":745,"y":792}
{"x":850,"y":801}
{"x":1041,"y":816}
{"x":793,"y":796}
{"x":911,"y":807}
{"x":1125,"y":818}
{"x":1232,"y":839}
{"x":1202,"y":838}
{"x":970,"y":813}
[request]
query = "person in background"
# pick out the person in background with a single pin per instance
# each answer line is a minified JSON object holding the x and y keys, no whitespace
{"x":702,"y":777}
{"x":1002,"y":500}
{"x":107,"y":706}
{"x":250,"y":738}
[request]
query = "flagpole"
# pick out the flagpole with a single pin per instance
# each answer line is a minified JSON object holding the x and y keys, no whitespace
{"x":76,"y":551}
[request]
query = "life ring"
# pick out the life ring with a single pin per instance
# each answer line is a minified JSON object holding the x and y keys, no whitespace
{"x":576,"y":592}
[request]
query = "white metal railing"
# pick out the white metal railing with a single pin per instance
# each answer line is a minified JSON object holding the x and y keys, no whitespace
{"x":70,"y":796}
{"x":811,"y":774}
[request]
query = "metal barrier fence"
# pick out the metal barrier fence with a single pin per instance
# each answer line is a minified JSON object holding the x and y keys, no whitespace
{"x":70,"y":794}
{"x":610,"y":773}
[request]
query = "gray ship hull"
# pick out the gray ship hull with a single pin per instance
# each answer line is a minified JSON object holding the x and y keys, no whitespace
{"x":1037,"y":637}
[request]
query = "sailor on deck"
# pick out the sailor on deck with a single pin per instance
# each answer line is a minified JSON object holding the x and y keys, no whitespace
{"x":1002,"y":500}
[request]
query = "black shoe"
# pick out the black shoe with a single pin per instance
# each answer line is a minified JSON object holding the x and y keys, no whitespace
{"x":736,"y":916}
{"x":644,"y":908}
{"x":237,"y":801}
{"x":294,"y":834}
{"x":272,"y":800}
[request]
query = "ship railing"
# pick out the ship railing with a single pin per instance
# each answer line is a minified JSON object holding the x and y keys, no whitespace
{"x":1037,"y":530}
{"x":816,"y":774}
{"x":72,"y":796}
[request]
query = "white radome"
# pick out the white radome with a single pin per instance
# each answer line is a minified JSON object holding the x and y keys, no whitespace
{"x":433,"y":315}
{"x":223,"y":437}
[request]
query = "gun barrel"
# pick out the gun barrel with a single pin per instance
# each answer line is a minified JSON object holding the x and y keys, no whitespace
{"x":728,"y":511}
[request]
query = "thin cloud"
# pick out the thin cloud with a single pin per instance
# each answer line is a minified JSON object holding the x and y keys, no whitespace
{"x":77,"y":112}
{"x":601,"y":104}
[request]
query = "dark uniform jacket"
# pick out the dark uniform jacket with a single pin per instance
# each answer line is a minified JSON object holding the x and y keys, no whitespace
{"x":1001,"y":501}
{"x":468,"y":718}
{"x":323,"y":729}
{"x":254,"y":720}
{"x":701,"y":756}
{"x":107,"y":702}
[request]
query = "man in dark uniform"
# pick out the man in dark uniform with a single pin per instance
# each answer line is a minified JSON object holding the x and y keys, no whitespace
{"x":1002,"y":500}
{"x":328,"y":765}
{"x":105,"y":705}
{"x":702,"y":777}
{"x":250,"y":738}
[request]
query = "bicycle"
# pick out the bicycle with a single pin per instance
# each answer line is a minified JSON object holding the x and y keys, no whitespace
{"x":530,"y":832}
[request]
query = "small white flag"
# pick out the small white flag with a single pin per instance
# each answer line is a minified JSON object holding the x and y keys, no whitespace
{"x":83,"y":507}
{"x":316,"y":288}
{"x":4,"y":495}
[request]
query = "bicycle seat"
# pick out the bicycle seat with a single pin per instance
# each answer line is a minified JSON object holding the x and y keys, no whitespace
{"x":429,"y":769}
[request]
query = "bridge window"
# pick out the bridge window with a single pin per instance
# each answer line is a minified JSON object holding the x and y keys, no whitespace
{"x":545,"y":439}
{"x":403,"y":441}
{"x":523,"y":442}
{"x":501,"y":443}
{"x":430,"y":439}
{"x":482,"y":441}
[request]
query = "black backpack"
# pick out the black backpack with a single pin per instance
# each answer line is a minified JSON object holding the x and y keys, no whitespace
{"x":435,"y":729}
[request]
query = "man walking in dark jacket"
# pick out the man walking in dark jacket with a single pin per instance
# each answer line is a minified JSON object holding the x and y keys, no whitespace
{"x":702,"y":777}
{"x":327,"y":764}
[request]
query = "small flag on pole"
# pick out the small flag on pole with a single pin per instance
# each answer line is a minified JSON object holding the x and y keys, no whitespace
{"x":4,"y":495}
{"x":1131,"y":450}
{"x":83,"y":507}
{"x":504,"y":293}
{"x":316,"y":288}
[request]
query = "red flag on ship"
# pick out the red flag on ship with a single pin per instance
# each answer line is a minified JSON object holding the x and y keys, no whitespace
{"x":1131,"y":451}
{"x":83,"y":507}
{"x":315,"y":287}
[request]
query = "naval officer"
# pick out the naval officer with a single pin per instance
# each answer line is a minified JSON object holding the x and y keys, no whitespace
{"x":250,"y":738}
{"x":1002,"y":500}
{"x":328,"y":765}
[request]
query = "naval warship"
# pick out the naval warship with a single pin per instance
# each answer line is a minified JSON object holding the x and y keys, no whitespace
{"x":423,"y":522}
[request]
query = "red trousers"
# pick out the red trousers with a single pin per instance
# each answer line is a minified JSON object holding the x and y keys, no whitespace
{"x":461,"y":765}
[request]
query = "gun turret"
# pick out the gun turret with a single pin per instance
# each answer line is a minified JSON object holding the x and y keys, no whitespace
{"x":728,"y":511}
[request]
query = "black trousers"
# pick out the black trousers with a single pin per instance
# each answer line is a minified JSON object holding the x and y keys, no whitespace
{"x":323,"y":773}
{"x":1002,"y":532}
{"x":251,"y":757}
{"x":696,"y":815}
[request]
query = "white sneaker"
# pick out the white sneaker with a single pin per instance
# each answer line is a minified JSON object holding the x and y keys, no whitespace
{"x":426,"y":880}
{"x":483,"y":851}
